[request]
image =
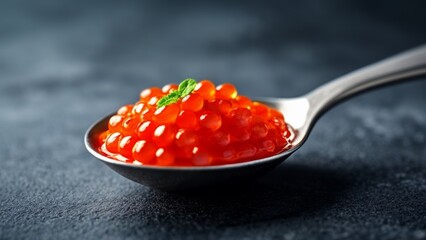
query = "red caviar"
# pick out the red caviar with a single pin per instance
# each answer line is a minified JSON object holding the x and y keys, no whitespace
{"x":209,"y":125}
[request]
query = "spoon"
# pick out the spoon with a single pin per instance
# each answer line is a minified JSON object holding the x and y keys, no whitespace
{"x":300,"y":113}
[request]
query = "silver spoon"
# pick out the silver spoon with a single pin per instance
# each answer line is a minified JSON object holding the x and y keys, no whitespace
{"x":301,"y":113}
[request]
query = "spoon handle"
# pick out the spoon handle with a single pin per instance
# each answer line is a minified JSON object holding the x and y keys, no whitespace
{"x":405,"y":65}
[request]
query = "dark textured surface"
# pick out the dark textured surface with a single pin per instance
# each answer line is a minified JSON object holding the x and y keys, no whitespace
{"x":361,"y":174}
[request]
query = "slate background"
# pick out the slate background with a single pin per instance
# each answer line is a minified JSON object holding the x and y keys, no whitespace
{"x":64,"y":64}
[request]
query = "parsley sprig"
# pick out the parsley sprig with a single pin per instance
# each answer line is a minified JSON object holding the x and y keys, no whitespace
{"x":185,"y":88}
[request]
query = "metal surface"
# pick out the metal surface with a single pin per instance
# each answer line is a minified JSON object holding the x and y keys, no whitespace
{"x":301,"y":113}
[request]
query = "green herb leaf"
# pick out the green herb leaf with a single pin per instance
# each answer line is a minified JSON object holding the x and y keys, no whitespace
{"x":168,"y":99}
{"x":186,"y":87}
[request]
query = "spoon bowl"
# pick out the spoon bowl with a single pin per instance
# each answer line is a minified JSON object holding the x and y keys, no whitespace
{"x":183,"y":178}
{"x":300,"y":113}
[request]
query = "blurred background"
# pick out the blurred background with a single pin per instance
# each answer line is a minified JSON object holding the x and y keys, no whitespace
{"x":64,"y":64}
